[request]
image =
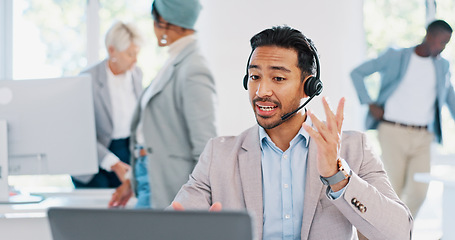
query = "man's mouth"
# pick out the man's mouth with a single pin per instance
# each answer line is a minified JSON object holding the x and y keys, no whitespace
{"x":266,"y":108}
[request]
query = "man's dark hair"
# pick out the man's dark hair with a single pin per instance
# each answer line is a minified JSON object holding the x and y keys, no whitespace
{"x":287,"y":37}
{"x":438,"y":26}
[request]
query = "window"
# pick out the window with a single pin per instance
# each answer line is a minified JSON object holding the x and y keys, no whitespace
{"x":51,"y":38}
{"x":48,"y":38}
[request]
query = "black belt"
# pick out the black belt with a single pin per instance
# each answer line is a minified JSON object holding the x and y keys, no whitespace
{"x":406,"y":125}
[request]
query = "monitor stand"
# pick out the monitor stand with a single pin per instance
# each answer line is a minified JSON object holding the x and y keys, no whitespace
{"x":5,"y":196}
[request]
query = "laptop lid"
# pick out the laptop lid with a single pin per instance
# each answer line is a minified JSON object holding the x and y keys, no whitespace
{"x":141,"y":224}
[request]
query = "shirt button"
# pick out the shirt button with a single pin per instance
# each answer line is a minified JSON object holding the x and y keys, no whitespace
{"x":287,"y":216}
{"x":285,"y":185}
{"x":285,"y":156}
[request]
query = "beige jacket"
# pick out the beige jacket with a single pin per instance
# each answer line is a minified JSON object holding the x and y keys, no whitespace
{"x":229,"y":171}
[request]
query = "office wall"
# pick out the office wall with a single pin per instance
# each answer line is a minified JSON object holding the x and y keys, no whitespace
{"x":335,"y":26}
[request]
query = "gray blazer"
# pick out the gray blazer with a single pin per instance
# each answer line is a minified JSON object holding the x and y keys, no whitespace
{"x":229,"y":171}
{"x":103,"y":108}
{"x":178,"y":120}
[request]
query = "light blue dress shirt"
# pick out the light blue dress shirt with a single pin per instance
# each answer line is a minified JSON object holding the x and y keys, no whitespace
{"x":283,"y":176}
{"x":283,"y":183}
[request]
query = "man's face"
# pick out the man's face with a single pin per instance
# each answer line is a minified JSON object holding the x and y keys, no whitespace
{"x":274,"y":86}
{"x":438,"y":41}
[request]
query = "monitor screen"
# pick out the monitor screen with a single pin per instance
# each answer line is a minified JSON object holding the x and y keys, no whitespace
{"x":48,"y":127}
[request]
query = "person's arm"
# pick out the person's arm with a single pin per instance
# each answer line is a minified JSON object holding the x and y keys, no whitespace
{"x":327,"y":136}
{"x":112,"y":163}
{"x":450,"y":99}
{"x":368,"y":202}
{"x":376,"y":111}
{"x":365,"y":69}
{"x":121,"y":169}
{"x":199,"y":105}
{"x":122,"y":195}
{"x":196,"y":193}
{"x":103,"y":153}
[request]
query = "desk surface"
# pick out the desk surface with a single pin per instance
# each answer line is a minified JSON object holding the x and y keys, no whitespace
{"x":443,"y":173}
{"x":96,"y":198}
{"x":29,"y":221}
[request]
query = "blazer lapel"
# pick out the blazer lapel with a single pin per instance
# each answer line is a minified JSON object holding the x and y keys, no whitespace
{"x":164,"y":79}
{"x":313,"y":188}
{"x":251,"y":177}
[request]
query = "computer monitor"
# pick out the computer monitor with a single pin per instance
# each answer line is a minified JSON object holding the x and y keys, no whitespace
{"x":47,"y":126}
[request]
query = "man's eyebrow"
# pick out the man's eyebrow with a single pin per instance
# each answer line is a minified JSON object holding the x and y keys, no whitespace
{"x":280,"y":68}
{"x":253,"y":66}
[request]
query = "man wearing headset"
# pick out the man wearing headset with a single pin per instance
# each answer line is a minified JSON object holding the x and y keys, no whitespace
{"x":415,"y":85}
{"x":299,"y":177}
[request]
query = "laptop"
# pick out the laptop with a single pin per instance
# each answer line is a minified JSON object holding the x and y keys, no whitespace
{"x":146,"y":224}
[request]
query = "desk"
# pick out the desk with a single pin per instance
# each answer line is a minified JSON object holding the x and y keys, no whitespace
{"x":446,"y":175}
{"x":29,"y":221}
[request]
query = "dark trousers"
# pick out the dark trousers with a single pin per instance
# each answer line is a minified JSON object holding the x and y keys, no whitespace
{"x":105,"y":179}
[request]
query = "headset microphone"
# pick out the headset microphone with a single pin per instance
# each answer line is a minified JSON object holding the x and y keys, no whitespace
{"x":287,"y":115}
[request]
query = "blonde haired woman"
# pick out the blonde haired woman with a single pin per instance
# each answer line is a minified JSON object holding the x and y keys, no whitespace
{"x":117,"y":85}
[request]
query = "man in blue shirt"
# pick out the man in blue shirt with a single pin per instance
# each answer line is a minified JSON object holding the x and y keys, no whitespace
{"x":299,"y":177}
{"x":415,"y":85}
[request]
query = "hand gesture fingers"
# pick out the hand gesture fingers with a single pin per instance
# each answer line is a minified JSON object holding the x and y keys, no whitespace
{"x":334,"y":122}
{"x":340,"y":114}
{"x":327,"y":136}
{"x":177,"y":206}
{"x":216,"y":207}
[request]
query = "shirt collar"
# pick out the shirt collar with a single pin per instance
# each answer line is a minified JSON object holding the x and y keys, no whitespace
{"x":263,"y":136}
{"x":176,"y":47}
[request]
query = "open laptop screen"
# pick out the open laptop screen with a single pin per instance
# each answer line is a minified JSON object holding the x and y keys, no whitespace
{"x":140,"y":224}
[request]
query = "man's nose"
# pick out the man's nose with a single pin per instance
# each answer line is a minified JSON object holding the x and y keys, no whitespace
{"x":264,"y":89}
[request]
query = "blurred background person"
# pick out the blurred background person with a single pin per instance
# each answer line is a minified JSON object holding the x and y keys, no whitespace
{"x":117,"y":85}
{"x":175,"y":116}
{"x":415,"y":85}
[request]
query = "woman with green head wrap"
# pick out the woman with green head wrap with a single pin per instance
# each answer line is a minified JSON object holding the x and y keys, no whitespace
{"x":175,"y":116}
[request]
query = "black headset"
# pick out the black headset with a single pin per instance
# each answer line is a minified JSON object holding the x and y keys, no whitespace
{"x":313,"y":85}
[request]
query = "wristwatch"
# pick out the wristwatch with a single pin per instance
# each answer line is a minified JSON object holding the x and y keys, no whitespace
{"x":344,"y":172}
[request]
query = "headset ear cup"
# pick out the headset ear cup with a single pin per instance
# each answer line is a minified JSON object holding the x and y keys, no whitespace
{"x":318,"y":87}
{"x":307,"y":86}
{"x":245,"y":82}
{"x":312,"y":86}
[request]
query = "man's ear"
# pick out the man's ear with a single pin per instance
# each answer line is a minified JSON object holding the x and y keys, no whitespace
{"x":303,"y":85}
